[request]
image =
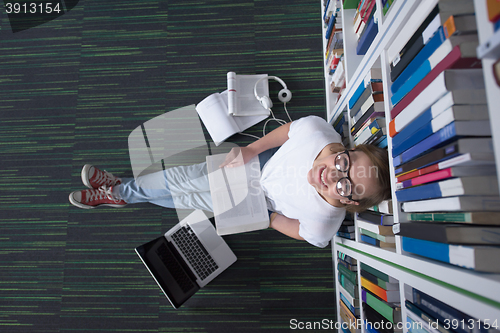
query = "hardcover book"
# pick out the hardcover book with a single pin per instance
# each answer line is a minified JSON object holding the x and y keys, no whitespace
{"x":450,"y":233}
{"x":482,"y":258}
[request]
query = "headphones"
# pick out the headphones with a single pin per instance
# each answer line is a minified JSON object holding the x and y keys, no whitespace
{"x":284,"y":95}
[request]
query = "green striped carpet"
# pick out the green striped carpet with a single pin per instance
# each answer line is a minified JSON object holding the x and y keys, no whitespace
{"x":71,"y":92}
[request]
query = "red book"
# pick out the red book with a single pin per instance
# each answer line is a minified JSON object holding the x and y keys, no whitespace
{"x":431,"y":177}
{"x":419,"y":172}
{"x":367,"y":13}
{"x":452,"y":60}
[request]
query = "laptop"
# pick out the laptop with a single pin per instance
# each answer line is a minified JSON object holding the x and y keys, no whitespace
{"x":186,"y":258}
{"x":238,"y":200}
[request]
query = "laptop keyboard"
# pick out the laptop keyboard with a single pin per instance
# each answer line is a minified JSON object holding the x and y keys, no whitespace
{"x":174,"y":268}
{"x":195,"y":252}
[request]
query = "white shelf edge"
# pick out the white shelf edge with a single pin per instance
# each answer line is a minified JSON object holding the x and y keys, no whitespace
{"x":387,"y":30}
{"x":490,"y":49}
{"x":458,"y":300}
{"x":480,"y":284}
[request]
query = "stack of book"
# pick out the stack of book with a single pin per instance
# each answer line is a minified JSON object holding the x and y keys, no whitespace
{"x":493,"y":8}
{"x":467,"y":245}
{"x":441,"y":145}
{"x":366,"y":109}
{"x":364,"y":25}
{"x":333,"y":24}
{"x":348,"y":289}
{"x":424,"y":311}
{"x":337,"y":78}
{"x":380,"y":300}
{"x":347,"y":229}
{"x":376,"y":229}
{"x":341,"y":125}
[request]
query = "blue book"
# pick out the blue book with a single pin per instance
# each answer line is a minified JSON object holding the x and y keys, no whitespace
{"x":427,"y":191}
{"x":356,"y":95}
{"x":369,"y":240}
{"x":409,"y":130}
{"x":433,"y":250}
{"x":367,"y":38}
{"x":329,"y":30}
{"x":437,"y":139}
{"x":377,"y":141}
{"x":473,"y":128}
{"x":338,"y":127}
{"x":441,"y":311}
{"x":473,"y":185}
{"x":326,"y":10}
{"x":369,"y":328}
{"x":419,"y":59}
{"x":479,"y":257}
{"x":383,"y":143}
{"x":417,"y":137}
{"x":354,"y":310}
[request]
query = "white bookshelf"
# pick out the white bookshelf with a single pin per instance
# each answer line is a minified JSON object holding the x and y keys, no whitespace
{"x":474,"y":293}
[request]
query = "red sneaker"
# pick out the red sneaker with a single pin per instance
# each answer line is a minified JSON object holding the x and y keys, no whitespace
{"x":93,"y":198}
{"x":95,"y":178}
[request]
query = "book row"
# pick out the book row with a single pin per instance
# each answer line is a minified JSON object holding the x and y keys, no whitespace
{"x":442,"y":152}
{"x":441,"y":143}
{"x":378,"y":307}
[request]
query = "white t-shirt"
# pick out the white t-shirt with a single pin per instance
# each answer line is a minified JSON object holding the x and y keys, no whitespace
{"x":284,"y":181}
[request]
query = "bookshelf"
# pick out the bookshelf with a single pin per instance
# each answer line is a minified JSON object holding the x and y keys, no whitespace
{"x":473,"y":293}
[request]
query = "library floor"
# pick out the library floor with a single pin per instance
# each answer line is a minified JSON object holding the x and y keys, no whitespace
{"x":71,"y":92}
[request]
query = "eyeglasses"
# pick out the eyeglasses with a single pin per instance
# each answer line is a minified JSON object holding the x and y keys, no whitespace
{"x":343,"y":164}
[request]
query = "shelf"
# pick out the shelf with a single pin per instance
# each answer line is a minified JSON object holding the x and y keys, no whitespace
{"x":482,"y":285}
{"x":459,"y":299}
{"x":490,"y":49}
{"x":475,"y":293}
{"x":388,"y":30}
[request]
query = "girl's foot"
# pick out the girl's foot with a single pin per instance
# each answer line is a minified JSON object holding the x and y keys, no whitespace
{"x":92,"y":198}
{"x":95,"y":178}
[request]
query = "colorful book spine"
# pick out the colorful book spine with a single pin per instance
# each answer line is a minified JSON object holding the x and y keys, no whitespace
{"x":388,"y":296}
{"x":421,"y":57}
{"x":348,"y":273}
{"x":367,"y":38}
{"x":389,"y":311}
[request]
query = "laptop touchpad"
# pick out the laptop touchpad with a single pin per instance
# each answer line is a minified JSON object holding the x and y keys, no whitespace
{"x":210,"y":239}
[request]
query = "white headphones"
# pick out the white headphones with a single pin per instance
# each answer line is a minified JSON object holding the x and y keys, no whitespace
{"x":284,"y":94}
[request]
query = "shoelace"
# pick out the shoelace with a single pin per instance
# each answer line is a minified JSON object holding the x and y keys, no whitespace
{"x":103,"y":176}
{"x":101,"y":193}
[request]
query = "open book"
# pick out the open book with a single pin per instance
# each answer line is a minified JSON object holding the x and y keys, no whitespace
{"x":238,"y":199}
{"x":241,"y":97}
{"x":213,"y":111}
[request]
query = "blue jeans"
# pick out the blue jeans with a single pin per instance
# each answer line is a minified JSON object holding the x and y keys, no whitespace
{"x":182,"y":187}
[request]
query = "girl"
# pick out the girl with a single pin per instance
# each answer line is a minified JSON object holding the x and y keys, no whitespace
{"x":309,"y":179}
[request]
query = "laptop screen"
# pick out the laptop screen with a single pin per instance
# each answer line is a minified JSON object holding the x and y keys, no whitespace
{"x":169,"y":270}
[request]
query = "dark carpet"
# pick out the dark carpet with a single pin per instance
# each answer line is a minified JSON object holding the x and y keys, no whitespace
{"x":72,"y":90}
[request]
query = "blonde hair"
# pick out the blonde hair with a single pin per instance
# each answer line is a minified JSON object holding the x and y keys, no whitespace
{"x":380,"y":159}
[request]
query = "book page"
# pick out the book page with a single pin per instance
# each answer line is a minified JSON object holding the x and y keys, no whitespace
{"x":213,"y":112}
{"x":238,"y":200}
{"x":243,"y":122}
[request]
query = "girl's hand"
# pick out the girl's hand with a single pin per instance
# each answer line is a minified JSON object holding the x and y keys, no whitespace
{"x":238,"y":156}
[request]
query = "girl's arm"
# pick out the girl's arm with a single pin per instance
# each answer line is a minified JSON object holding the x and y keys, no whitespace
{"x":239,"y":156}
{"x":283,"y":224}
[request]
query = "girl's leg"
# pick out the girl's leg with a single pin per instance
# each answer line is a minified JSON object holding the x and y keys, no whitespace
{"x":182,"y":187}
